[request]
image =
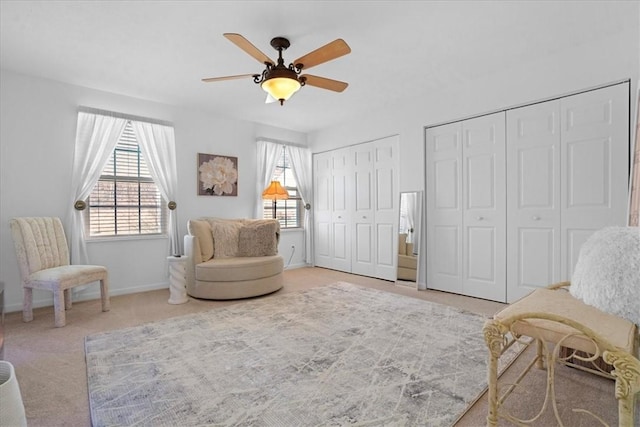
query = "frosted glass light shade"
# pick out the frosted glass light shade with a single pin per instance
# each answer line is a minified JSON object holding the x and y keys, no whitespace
{"x":281,"y":88}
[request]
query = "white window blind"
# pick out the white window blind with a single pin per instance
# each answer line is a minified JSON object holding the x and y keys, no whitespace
{"x":126,"y":201}
{"x":289,"y":212}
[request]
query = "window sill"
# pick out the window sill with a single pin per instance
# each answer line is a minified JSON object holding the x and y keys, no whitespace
{"x":291,"y":230}
{"x":126,"y":238}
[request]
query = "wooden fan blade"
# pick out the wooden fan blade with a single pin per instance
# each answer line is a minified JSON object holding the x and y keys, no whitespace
{"x":324,"y":83}
{"x":246,"y":45}
{"x":328,"y":52}
{"x":217,"y":79}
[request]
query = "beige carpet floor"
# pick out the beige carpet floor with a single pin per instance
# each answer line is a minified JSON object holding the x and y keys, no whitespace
{"x":51,"y":369}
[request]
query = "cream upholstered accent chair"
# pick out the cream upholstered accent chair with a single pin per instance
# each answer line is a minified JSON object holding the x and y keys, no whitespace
{"x":43,"y":258}
{"x":590,"y":323}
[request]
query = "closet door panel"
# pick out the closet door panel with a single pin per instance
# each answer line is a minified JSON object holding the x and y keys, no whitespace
{"x":342,"y":191}
{"x":444,"y":207}
{"x":537,"y":258}
{"x":533,"y":198}
{"x":386,"y":163}
{"x":323,"y":188}
{"x":363,"y":213}
{"x":595,"y":153}
{"x":484,"y":209}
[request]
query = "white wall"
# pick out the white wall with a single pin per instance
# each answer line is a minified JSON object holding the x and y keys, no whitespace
{"x":37,"y":135}
{"x":607,"y":60}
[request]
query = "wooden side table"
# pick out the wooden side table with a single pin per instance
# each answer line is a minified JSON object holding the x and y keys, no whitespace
{"x":177,"y":280}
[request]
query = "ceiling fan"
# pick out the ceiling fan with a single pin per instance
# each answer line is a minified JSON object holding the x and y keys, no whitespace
{"x":281,"y":81}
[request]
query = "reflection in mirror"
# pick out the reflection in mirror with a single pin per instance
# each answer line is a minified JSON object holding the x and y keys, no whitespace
{"x":408,"y":235}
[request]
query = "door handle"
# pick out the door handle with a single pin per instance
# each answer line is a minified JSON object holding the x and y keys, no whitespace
{"x":535,"y":218}
{"x":479,"y":218}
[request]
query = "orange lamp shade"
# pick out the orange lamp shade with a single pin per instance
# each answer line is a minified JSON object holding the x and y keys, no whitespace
{"x":275,"y":191}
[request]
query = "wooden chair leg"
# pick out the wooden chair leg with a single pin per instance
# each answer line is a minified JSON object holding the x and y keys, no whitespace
{"x":58,"y":307}
{"x":27,"y":305}
{"x":67,"y":299}
{"x":104,"y":294}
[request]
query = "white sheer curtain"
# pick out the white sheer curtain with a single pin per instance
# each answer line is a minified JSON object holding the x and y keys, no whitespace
{"x":268,"y":153}
{"x":302,"y":166}
{"x":157,"y":144}
{"x":411,"y":216}
{"x":96,"y":138}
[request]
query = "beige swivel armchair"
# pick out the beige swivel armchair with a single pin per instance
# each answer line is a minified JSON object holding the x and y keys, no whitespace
{"x":43,"y":258}
{"x":592,"y":325}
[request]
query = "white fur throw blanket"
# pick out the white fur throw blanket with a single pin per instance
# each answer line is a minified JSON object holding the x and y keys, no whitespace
{"x":607,"y":274}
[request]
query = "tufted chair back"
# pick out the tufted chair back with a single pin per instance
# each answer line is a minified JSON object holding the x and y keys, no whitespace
{"x":40,"y":244}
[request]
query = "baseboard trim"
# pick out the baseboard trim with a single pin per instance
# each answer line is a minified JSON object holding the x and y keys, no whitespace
{"x":294,"y":266}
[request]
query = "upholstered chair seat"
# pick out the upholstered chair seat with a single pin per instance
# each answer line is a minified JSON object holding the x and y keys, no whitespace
{"x":43,"y":258}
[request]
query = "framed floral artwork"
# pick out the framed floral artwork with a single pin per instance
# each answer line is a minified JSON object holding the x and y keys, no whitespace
{"x":217,"y":175}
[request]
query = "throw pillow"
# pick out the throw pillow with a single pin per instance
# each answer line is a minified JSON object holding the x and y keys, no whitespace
{"x":607,"y":273}
{"x":202,"y":230}
{"x":225,"y":238}
{"x":259,"y":238}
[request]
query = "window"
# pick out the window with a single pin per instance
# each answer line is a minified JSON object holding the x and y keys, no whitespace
{"x":126,"y":201}
{"x":289,"y":212}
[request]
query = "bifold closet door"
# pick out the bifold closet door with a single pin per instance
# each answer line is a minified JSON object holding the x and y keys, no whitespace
{"x":466,"y":207}
{"x":332,"y":216}
{"x":363,"y":236}
{"x":375,"y":210}
{"x":323,"y":209}
{"x":567,"y":177}
{"x":533,"y":198}
{"x":595,"y":166}
{"x":386,"y":201}
{"x":444,"y":207}
{"x":484,"y":207}
{"x":342,"y":192}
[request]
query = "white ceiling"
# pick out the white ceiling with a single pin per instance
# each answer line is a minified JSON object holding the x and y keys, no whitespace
{"x":159,"y":50}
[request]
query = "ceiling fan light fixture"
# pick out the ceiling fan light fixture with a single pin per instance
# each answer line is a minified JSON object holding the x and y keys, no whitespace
{"x":281,"y":81}
{"x":281,"y":88}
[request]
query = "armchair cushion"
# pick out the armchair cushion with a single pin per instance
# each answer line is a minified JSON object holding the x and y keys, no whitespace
{"x":225,"y":238}
{"x":257,"y":238}
{"x":202,"y":230}
{"x":238,"y":269}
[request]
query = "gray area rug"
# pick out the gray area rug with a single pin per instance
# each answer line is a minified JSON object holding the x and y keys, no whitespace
{"x":336,"y":355}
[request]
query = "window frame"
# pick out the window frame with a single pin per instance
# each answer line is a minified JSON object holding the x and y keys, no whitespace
{"x":283,"y":164}
{"x":126,"y":138}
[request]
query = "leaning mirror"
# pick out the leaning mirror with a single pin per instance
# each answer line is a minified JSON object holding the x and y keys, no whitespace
{"x":408,"y":237}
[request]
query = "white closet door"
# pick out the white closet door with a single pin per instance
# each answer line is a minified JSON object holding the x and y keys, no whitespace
{"x":484,"y":207}
{"x":533,"y":198}
{"x":342,"y":191}
{"x":386,"y":198}
{"x":444,"y":207}
{"x":323,"y":209}
{"x":363,"y":237}
{"x":595,"y":166}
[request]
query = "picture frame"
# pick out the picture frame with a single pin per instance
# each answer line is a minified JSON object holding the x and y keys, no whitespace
{"x":217,"y":175}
